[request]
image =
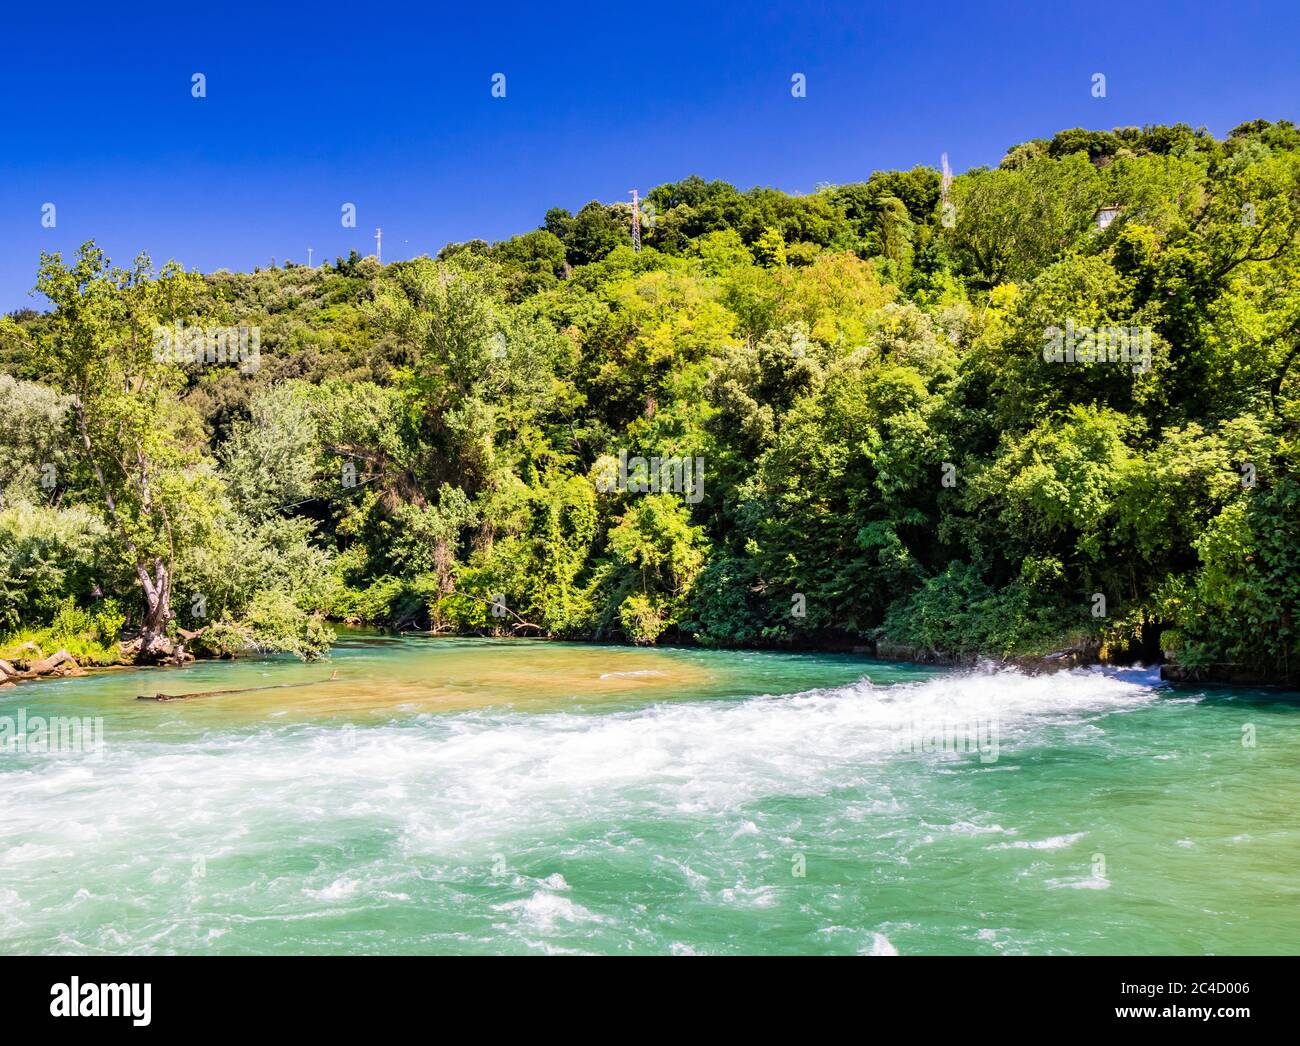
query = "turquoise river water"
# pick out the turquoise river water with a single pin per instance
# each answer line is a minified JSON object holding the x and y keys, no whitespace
{"x":476,"y":796}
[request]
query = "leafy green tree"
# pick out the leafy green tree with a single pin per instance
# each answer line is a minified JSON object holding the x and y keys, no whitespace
{"x":1011,"y":223}
{"x":769,"y":251}
{"x":34,"y":448}
{"x":659,"y":556}
{"x":134,"y":435}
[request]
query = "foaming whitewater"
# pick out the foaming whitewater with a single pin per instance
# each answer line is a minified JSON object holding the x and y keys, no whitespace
{"x":688,"y":825}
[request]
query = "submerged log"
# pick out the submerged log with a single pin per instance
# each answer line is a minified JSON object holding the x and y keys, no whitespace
{"x":235,"y":690}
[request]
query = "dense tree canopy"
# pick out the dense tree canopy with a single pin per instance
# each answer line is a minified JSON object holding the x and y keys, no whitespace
{"x":888,"y":447}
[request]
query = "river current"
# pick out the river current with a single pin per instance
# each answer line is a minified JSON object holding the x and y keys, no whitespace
{"x":476,"y":796}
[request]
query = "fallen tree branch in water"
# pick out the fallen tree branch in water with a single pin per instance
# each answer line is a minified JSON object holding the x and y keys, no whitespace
{"x":234,"y":690}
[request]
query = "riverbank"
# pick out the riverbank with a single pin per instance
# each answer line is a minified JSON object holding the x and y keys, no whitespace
{"x":37,"y":666}
{"x":56,"y":666}
{"x":1083,"y":655}
{"x":26,"y":661}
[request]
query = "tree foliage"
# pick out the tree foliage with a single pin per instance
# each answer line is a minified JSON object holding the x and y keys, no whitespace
{"x":889,"y":447}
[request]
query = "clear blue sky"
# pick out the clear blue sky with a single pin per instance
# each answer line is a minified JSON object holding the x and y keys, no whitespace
{"x":389,"y":107}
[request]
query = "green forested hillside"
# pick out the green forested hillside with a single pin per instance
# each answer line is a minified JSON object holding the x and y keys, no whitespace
{"x":891,"y":446}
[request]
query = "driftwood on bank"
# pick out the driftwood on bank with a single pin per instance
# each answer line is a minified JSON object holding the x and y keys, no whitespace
{"x":58,"y":664}
{"x":234,"y":690}
{"x":33,"y":664}
{"x":55,"y":661}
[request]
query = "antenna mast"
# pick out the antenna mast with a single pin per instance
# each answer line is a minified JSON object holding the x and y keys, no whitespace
{"x":379,"y":242}
{"x":636,"y":221}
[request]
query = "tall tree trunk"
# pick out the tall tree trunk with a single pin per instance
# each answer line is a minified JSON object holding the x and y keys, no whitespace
{"x":158,"y":598}
{"x":152,"y":643}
